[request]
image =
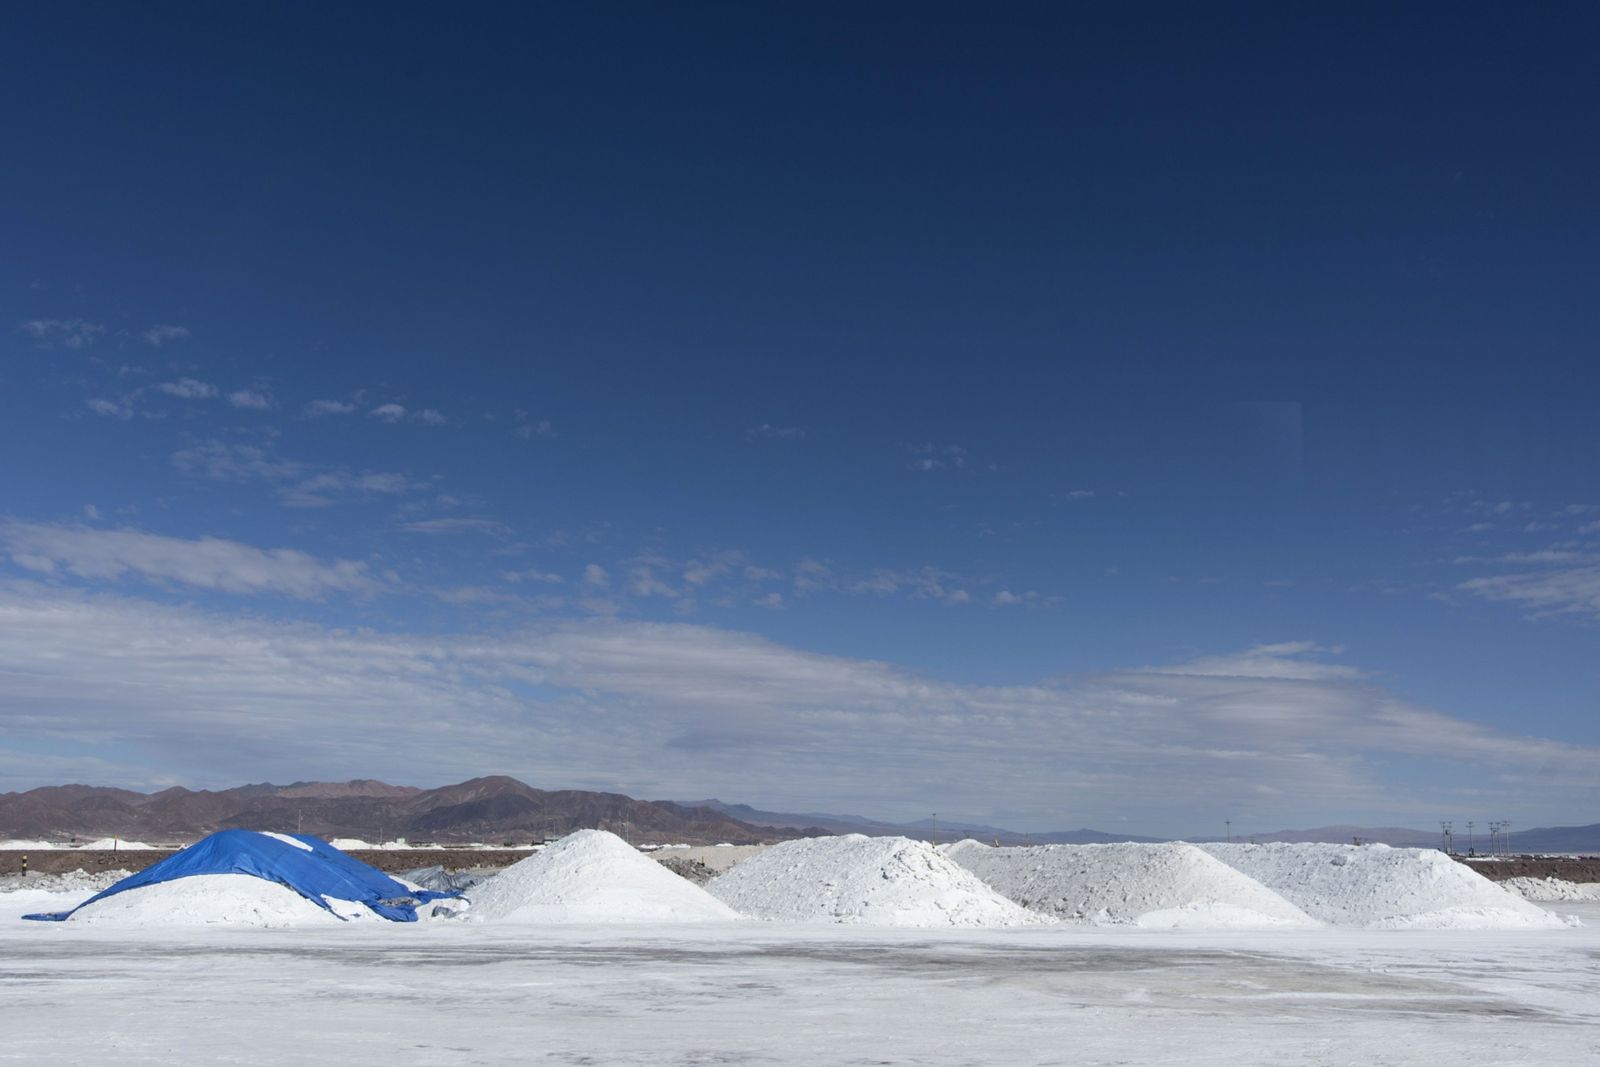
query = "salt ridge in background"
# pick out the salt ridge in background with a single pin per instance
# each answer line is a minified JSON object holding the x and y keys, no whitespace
{"x":884,"y":881}
{"x":1551,"y":889}
{"x":1159,"y":885}
{"x":592,"y":877}
{"x":1383,"y":888}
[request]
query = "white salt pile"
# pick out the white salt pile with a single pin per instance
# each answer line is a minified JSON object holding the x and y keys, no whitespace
{"x":356,"y":844}
{"x":883,"y":881}
{"x":237,"y":899}
{"x":79,"y":881}
{"x":1160,"y":885}
{"x":1383,"y":888}
{"x":1551,"y":889}
{"x":592,"y":877}
{"x":22,"y":845}
{"x":108,"y":844}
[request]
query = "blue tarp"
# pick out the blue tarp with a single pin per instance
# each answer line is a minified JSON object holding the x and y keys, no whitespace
{"x":315,"y":871}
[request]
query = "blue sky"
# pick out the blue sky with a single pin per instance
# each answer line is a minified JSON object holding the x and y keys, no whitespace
{"x":1121,"y":418}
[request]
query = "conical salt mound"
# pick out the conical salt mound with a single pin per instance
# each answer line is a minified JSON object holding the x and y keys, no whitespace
{"x":1381,"y":887}
{"x":592,"y":877}
{"x":203,"y":899}
{"x":884,"y":881}
{"x":1165,"y":885}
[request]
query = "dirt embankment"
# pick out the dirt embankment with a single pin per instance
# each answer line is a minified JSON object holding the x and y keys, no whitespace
{"x":56,"y":861}
{"x":1568,"y":868}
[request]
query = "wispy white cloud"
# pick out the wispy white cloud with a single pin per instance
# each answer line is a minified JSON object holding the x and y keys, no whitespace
{"x":297,"y":484}
{"x":932,"y":457}
{"x":203,"y":563}
{"x":322,"y":489}
{"x":1284,"y":660}
{"x":254,"y":398}
{"x":234,"y":462}
{"x":112,"y":408}
{"x":163,"y":334}
{"x":394,"y":413}
{"x":63,"y":333}
{"x":769,"y":432}
{"x":532,"y":575}
{"x":1559,"y":590}
{"x":457,"y":526}
{"x":320,"y":408}
{"x":678,"y":709}
{"x":924,"y":583}
{"x":188,"y":389}
{"x":527,"y":427}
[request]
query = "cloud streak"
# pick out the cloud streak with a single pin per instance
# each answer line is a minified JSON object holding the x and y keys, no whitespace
{"x":642,"y":707}
{"x":163,"y":334}
{"x":208,"y":563}
{"x":63,"y":333}
{"x":298,"y":485}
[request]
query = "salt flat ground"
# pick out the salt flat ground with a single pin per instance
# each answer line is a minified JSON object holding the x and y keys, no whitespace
{"x":449,"y":993}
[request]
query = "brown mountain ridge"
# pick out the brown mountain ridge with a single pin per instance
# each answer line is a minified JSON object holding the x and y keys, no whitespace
{"x":495,"y":809}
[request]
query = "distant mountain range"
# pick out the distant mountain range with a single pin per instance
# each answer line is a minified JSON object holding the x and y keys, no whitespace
{"x":1543,"y":839}
{"x":923,"y":828}
{"x":492,"y":810}
{"x":499,"y":809}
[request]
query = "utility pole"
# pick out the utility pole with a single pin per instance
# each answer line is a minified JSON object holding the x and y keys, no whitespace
{"x":1471,"y":850}
{"x":1228,"y":825}
{"x":1444,"y":836}
{"x":933,"y":824}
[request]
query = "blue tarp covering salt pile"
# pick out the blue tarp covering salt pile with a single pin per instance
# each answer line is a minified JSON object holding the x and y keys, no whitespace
{"x":308,"y":865}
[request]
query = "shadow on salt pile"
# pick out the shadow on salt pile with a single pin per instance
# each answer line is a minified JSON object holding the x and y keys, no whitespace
{"x":592,"y":877}
{"x":875,"y":881}
{"x":1170,"y":885}
{"x":253,"y":878}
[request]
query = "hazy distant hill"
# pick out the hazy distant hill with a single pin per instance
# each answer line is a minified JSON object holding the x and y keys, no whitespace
{"x":922,"y":828}
{"x":1399,"y":836}
{"x":491,"y":809}
{"x":1556,"y":839}
{"x":501,"y":809}
{"x":1540,"y":839}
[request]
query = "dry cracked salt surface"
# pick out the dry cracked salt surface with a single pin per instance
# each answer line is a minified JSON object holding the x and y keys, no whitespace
{"x":771,"y":993}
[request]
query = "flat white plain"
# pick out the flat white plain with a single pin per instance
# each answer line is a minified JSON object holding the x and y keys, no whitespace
{"x":762,"y":993}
